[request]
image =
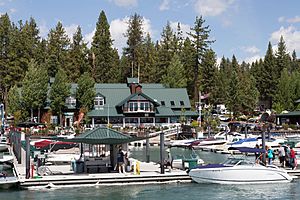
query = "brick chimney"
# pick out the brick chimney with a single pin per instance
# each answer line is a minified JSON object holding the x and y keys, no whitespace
{"x":135,"y":88}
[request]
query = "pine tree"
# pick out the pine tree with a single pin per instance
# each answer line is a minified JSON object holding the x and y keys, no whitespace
{"x":35,"y":87}
{"x":295,"y":81}
{"x":86,"y":93}
{"x":60,"y":90}
{"x":58,"y":46}
{"x":284,"y":93}
{"x":221,"y":94}
{"x":30,"y":40}
{"x":201,"y":42}
{"x":149,"y":61}
{"x":173,"y":78}
{"x":77,"y":59}
{"x":208,"y":72}
{"x":11,"y":70}
{"x":133,"y":51}
{"x":295,"y":64}
{"x":165,"y":51}
{"x":188,"y":55}
{"x":115,"y":73}
{"x":268,"y":77}
{"x":103,"y":53}
{"x":14,"y":100}
{"x":15,"y":106}
{"x":233,"y":95}
{"x":283,"y":59}
{"x":248,"y":93}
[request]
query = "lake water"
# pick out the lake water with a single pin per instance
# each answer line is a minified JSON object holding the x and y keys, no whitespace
{"x":170,"y":191}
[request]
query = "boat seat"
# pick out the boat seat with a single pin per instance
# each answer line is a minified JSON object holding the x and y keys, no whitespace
{"x":44,"y":171}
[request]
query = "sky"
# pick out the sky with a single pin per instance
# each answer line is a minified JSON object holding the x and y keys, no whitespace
{"x":239,"y":27}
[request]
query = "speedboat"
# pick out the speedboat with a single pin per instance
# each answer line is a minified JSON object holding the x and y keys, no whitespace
{"x":8,"y":175}
{"x":239,"y":170}
{"x":3,"y":144}
{"x":218,"y":141}
{"x":251,"y":142}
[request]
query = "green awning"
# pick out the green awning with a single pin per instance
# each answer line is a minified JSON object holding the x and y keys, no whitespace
{"x":290,"y":114}
{"x":102,"y":135}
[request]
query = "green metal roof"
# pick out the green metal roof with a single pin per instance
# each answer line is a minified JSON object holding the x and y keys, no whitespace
{"x":164,"y":111}
{"x":169,"y":94}
{"x":136,"y":96}
{"x":111,"y":112}
{"x":118,"y":93}
{"x":293,"y":113}
{"x":102,"y":135}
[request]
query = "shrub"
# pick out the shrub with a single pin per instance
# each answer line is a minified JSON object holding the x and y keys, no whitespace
{"x":285,"y":126}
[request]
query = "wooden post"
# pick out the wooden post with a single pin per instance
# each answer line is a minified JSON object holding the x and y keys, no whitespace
{"x":162,"y":152}
{"x":147,"y":147}
{"x":264,"y":146}
{"x":27,"y":139}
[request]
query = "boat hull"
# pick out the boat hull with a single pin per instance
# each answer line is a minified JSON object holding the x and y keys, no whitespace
{"x":240,"y":175}
{"x":9,"y":182}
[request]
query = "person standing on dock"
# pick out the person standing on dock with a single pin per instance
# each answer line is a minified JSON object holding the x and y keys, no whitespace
{"x":281,"y":154}
{"x":269,"y":155}
{"x":292,"y":158}
{"x":120,"y":160}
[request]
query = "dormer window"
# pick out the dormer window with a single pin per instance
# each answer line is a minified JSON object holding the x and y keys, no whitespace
{"x":98,"y":102}
{"x":172,"y":103}
{"x":71,"y":102}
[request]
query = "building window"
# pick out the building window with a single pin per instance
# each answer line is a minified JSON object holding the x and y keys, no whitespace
{"x":71,"y":102}
{"x":98,"y":102}
{"x":135,"y":106}
{"x":182,"y":103}
{"x":163,"y":103}
{"x":172,"y":103}
{"x":139,"y":107}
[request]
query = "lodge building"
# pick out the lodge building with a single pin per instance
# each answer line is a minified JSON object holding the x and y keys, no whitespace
{"x":132,"y":104}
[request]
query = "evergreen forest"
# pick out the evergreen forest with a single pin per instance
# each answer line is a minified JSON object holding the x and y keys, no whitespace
{"x":28,"y":61}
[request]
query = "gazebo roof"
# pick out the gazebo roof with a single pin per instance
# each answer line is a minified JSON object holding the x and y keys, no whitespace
{"x":103,"y":135}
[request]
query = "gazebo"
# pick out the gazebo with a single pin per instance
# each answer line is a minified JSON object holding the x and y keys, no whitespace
{"x":99,"y":148}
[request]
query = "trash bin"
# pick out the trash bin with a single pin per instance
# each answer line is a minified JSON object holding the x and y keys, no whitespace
{"x":79,"y":167}
{"x":190,"y":163}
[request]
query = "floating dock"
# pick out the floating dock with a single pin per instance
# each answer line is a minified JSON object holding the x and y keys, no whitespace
{"x":104,"y":179}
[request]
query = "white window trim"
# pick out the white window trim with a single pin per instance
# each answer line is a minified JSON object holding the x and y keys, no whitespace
{"x":98,"y":102}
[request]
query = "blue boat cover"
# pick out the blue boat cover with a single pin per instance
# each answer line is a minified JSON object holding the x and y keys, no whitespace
{"x":245,"y":140}
{"x":247,"y":149}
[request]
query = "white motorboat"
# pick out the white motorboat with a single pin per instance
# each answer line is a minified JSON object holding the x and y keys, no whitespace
{"x":8,"y":175}
{"x":218,"y":140}
{"x":251,"y":142}
{"x":3,"y":144}
{"x":239,"y":170}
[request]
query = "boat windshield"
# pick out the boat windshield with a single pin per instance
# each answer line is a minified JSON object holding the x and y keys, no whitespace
{"x":237,"y":161}
{"x":6,"y":170}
